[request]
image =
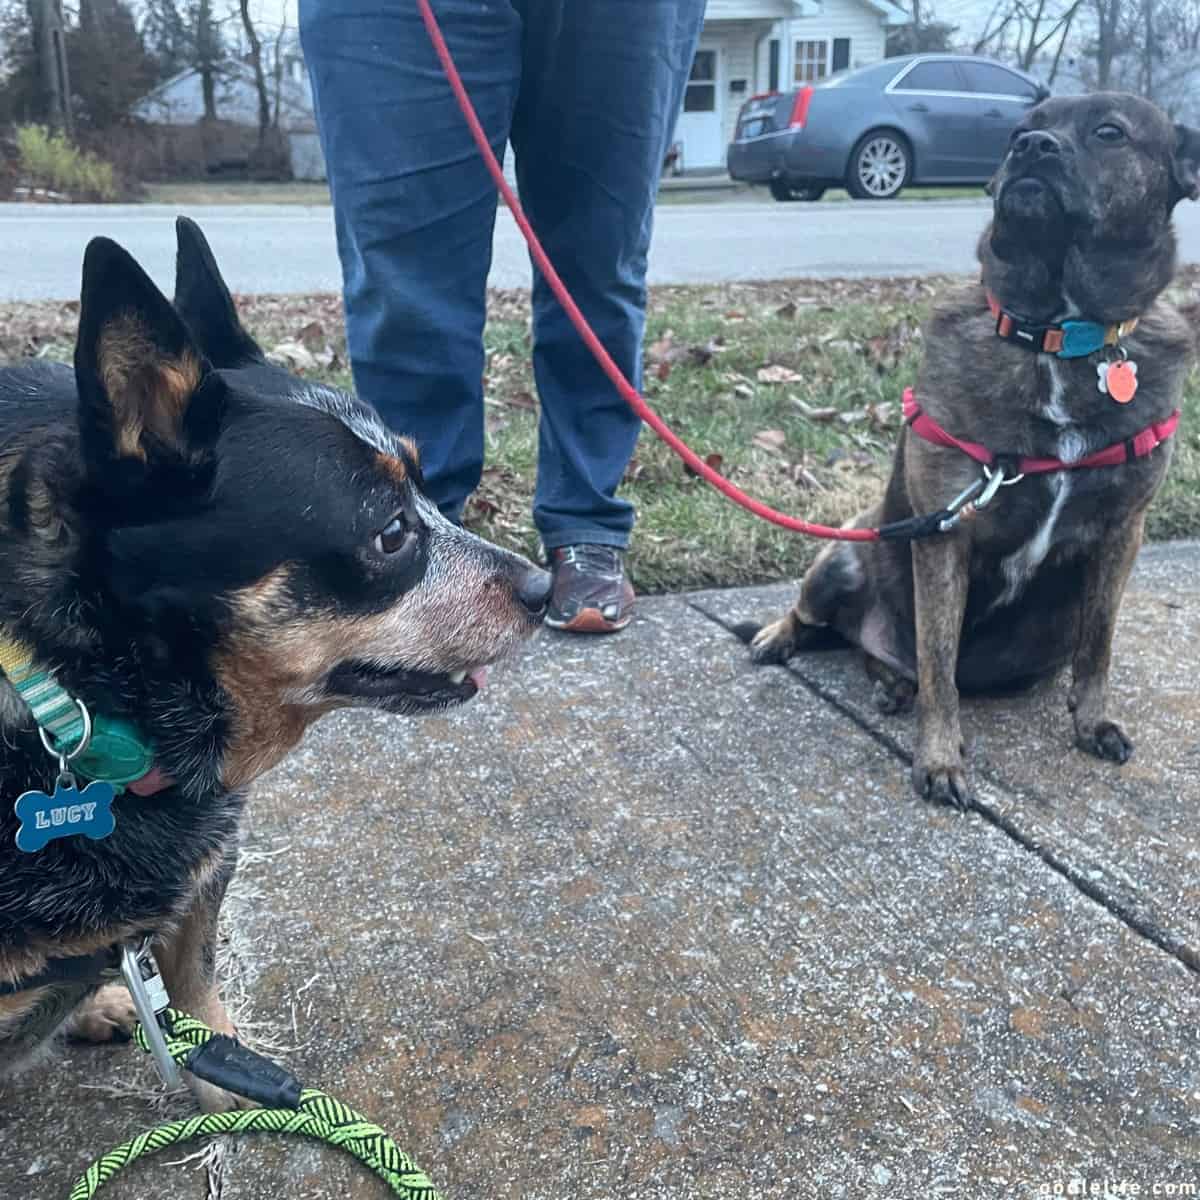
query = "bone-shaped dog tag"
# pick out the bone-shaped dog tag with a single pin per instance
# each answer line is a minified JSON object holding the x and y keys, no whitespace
{"x":65,"y":813}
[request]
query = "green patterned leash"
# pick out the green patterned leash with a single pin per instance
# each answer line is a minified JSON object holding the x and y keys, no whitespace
{"x":305,"y":1112}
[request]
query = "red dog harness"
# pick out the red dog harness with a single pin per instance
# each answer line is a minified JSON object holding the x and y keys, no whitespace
{"x":1138,"y":446}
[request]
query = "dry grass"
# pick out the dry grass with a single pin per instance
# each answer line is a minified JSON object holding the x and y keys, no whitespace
{"x":794,"y":387}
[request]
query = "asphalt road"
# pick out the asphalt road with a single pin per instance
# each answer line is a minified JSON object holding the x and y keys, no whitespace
{"x":290,"y":249}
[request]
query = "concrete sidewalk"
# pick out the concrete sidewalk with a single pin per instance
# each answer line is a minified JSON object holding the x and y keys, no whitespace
{"x":647,"y":922}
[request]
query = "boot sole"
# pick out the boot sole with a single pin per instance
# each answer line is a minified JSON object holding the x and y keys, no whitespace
{"x":590,"y":620}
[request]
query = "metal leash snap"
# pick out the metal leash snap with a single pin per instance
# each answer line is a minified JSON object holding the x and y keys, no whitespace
{"x":145,"y":984}
{"x":958,"y":506}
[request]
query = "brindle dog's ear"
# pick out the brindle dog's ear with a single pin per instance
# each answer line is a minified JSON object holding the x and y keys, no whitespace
{"x":203,"y":301}
{"x":139,"y":373}
{"x":1185,"y":164}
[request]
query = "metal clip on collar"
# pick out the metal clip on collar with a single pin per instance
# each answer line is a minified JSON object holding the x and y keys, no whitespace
{"x":978,"y":495}
{"x":150,"y":998}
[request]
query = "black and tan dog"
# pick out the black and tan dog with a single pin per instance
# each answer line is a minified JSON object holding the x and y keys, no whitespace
{"x":212,"y":549}
{"x":1036,"y":363}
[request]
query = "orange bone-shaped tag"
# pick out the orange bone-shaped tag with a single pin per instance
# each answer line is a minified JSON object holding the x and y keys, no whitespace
{"x":1118,"y":380}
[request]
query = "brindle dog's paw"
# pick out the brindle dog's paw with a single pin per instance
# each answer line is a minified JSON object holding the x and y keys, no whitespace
{"x":893,"y":697}
{"x":774,"y":643}
{"x":1107,"y":740}
{"x":942,"y":784}
{"x":106,"y":1016}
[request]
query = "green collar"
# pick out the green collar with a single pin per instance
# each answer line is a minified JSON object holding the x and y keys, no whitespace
{"x":116,"y":753}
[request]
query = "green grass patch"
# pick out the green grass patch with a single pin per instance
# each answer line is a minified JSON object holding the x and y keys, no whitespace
{"x":794,"y":388}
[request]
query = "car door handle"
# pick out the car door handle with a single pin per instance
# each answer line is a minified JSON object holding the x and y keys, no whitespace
{"x":918,"y":108}
{"x":993,"y":112}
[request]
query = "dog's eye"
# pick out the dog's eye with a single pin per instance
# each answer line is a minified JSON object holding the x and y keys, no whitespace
{"x":395,"y":536}
{"x":1110,"y":133}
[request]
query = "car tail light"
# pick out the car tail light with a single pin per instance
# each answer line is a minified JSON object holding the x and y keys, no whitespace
{"x":800,"y":108}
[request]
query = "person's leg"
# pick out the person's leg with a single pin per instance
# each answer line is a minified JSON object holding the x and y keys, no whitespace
{"x":414,"y":209}
{"x":602,"y":85}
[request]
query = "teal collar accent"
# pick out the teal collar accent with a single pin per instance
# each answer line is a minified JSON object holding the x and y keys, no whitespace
{"x":1069,"y":339}
{"x":116,"y":753}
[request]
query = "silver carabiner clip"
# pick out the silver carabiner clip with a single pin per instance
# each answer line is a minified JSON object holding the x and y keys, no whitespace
{"x":958,"y":505}
{"x":149,"y":993}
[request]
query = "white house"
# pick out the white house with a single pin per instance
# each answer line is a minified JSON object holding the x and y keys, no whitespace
{"x":178,"y":103}
{"x":752,"y":46}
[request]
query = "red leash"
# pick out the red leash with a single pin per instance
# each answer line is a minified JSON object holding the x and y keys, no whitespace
{"x":627,"y":391}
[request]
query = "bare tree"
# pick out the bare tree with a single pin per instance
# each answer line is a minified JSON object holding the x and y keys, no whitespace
{"x":260,"y":78}
{"x":208,"y":54}
{"x":278,"y":69}
{"x":1109,"y":14}
{"x":49,"y":40}
{"x":1022,"y":30}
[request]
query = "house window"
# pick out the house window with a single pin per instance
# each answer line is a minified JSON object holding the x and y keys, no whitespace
{"x":841,"y":53}
{"x":812,"y":61}
{"x":700,"y":95}
{"x":773,"y":66}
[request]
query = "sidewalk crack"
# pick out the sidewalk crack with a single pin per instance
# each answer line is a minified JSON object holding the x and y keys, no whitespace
{"x":1186,"y":955}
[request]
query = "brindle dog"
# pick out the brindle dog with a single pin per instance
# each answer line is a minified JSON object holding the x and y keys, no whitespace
{"x":1081,"y":230}
{"x":219,"y":552}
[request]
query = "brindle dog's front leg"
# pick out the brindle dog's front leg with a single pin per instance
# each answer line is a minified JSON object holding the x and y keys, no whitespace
{"x":188,"y":961}
{"x":1105,"y":577}
{"x":940,"y":579}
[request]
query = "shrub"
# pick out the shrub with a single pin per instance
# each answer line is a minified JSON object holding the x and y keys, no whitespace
{"x":47,"y":160}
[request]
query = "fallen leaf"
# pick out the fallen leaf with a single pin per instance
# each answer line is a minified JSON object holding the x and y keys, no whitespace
{"x":770,"y":439}
{"x":734,"y":315}
{"x":663,"y":371}
{"x":658,"y":351}
{"x":786,"y":311}
{"x":293,"y":356}
{"x":821,"y":415}
{"x":312,"y":335}
{"x":484,"y":506}
{"x":744,"y":390}
{"x":778,"y":374}
{"x":712,"y":461}
{"x":805,"y":478}
{"x":521,"y":400}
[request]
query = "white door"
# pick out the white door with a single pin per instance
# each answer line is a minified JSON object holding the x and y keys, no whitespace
{"x":700,"y":127}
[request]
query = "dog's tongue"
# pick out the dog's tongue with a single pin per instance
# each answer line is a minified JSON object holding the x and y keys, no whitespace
{"x":156,"y":780}
{"x":479,"y":677}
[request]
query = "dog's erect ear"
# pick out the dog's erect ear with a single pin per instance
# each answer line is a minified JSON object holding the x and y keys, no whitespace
{"x":204,"y":302}
{"x":1185,"y":164}
{"x":138,"y":371}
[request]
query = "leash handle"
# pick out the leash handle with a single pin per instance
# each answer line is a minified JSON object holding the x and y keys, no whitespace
{"x":616,"y":376}
{"x":317,"y":1115}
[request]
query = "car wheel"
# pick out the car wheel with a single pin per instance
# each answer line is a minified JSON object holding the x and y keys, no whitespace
{"x":879,"y":166}
{"x":785,"y":191}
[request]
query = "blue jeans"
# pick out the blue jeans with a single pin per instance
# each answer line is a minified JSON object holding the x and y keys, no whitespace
{"x":587,"y":91}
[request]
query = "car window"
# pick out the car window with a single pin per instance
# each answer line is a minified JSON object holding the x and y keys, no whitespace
{"x":932,"y":77}
{"x":983,"y":77}
{"x":876,"y":73}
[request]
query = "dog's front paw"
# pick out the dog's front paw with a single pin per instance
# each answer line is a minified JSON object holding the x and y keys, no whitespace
{"x":106,"y":1016}
{"x":893,"y":697}
{"x":213,"y":1099}
{"x":942,"y":783}
{"x":774,"y":643}
{"x":1105,"y":739}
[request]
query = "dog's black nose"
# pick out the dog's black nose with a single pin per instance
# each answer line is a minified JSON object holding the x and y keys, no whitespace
{"x":533,"y":590}
{"x":1035,"y":143}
